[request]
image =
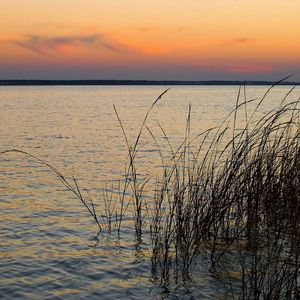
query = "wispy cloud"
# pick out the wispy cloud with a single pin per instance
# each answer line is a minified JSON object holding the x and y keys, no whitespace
{"x":234,"y":42}
{"x":45,"y":45}
{"x":179,"y":29}
{"x":144,"y":28}
{"x":148,"y":29}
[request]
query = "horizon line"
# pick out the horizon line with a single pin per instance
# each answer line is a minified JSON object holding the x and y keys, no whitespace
{"x":37,"y":82}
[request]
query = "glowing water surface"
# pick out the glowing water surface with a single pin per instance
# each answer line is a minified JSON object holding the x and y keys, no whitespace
{"x":49,"y":248}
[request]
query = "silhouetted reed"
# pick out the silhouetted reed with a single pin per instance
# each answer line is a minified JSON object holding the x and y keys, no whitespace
{"x":240,"y":199}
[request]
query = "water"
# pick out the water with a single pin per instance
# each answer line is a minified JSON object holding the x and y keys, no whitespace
{"x":49,"y":247}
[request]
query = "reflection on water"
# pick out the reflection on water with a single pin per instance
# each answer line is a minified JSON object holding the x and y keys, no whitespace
{"x":49,"y":243}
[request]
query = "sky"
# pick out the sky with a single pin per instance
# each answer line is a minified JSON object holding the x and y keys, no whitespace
{"x":154,"y":40}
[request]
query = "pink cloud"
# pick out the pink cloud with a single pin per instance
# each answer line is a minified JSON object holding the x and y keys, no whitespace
{"x":249,"y":69}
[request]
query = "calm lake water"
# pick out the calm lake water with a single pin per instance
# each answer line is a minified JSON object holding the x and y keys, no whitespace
{"x":49,"y":247}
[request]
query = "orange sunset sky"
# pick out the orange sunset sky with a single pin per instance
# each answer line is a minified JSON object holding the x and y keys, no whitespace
{"x":157,"y":39}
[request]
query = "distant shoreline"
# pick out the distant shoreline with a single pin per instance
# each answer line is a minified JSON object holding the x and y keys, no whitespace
{"x":33,"y":82}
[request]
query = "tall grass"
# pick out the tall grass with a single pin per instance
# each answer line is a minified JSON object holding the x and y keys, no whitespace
{"x":229,"y":194}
